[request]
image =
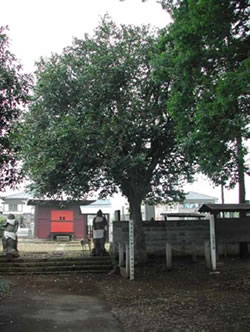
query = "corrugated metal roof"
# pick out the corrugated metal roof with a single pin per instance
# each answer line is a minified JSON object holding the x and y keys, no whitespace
{"x":193,"y":196}
{"x":102,"y":202}
{"x":215,"y":208}
{"x":61,"y":203}
{"x":183,"y":214}
{"x":20,"y":195}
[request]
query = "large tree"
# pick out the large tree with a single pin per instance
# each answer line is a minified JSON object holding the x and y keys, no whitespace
{"x":210,"y":95}
{"x":13,"y":96}
{"x":99,"y":122}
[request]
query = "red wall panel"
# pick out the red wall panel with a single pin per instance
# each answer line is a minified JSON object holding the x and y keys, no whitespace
{"x":62,"y":215}
{"x":61,"y":227}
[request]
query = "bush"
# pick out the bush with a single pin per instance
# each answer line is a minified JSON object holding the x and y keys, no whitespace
{"x":4,"y":287}
{"x":1,"y":226}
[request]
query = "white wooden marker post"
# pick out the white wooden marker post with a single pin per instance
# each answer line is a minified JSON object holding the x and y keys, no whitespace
{"x":131,"y":251}
{"x":212,"y":242}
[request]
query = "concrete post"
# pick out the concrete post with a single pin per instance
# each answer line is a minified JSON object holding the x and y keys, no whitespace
{"x":131,"y":251}
{"x":127,"y":260}
{"x":212,"y":242}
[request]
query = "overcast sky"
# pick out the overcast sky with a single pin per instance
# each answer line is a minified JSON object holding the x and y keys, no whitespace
{"x":41,"y":27}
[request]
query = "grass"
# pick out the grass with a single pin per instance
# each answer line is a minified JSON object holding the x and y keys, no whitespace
{"x":44,"y":246}
{"x":47,"y":248}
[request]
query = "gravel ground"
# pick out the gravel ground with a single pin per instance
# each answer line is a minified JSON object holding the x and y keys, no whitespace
{"x":188,"y":298}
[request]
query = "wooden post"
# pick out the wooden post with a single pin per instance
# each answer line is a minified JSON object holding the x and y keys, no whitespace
{"x":131,"y":251}
{"x":121,"y":254}
{"x":168,"y":256}
{"x":212,"y":242}
{"x":207,"y":254}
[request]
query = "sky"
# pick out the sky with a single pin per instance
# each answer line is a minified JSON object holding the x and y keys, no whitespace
{"x":42,"y":27}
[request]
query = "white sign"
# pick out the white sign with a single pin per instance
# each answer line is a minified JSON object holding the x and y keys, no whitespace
{"x":131,"y":251}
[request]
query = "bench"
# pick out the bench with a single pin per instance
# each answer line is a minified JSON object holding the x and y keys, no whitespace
{"x":61,"y":236}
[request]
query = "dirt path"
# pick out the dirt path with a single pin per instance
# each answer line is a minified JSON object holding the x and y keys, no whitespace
{"x":55,"y":303}
{"x":188,"y":298}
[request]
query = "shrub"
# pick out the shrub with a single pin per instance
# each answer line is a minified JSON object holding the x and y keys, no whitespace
{"x":4,"y":287}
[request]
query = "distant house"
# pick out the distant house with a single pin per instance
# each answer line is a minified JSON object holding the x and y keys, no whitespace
{"x":193,"y":201}
{"x":191,"y":204}
{"x":16,"y":204}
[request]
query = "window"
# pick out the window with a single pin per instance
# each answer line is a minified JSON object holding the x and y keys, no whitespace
{"x":13,"y":207}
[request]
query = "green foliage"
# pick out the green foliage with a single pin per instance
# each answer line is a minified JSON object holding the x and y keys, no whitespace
{"x":13,"y":96}
{"x":2,"y":219}
{"x":4,"y":287}
{"x":98,"y":120}
{"x":210,"y":93}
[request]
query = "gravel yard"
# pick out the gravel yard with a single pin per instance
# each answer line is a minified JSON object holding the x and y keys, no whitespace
{"x":188,"y":298}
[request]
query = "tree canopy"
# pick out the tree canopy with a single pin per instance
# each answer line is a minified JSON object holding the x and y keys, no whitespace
{"x":98,"y":121}
{"x":210,"y":94}
{"x":14,"y":88}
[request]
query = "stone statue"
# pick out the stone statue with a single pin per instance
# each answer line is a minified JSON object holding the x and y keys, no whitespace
{"x":9,"y":238}
{"x":100,"y":227}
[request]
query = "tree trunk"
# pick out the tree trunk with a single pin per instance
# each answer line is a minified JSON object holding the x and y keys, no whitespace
{"x":139,"y":237}
{"x":242,"y":192}
{"x":222,"y":197}
{"x":222,"y":194}
{"x":242,"y":189}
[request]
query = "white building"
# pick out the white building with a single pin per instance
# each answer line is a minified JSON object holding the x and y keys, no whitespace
{"x":17,"y":204}
{"x":192,"y":202}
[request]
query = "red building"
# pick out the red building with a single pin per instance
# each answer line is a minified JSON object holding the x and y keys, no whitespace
{"x":53,"y":218}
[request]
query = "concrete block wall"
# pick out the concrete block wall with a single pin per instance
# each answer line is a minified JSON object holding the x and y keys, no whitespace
{"x":187,"y":236}
{"x":184,"y":236}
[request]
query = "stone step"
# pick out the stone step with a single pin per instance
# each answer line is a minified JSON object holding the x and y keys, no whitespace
{"x":56,"y":265}
{"x":61,"y":268}
{"x":55,"y":260}
{"x":53,"y":272}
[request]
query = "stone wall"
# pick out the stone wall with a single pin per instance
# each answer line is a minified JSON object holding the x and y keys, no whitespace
{"x":184,"y":236}
{"x":187,"y":236}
